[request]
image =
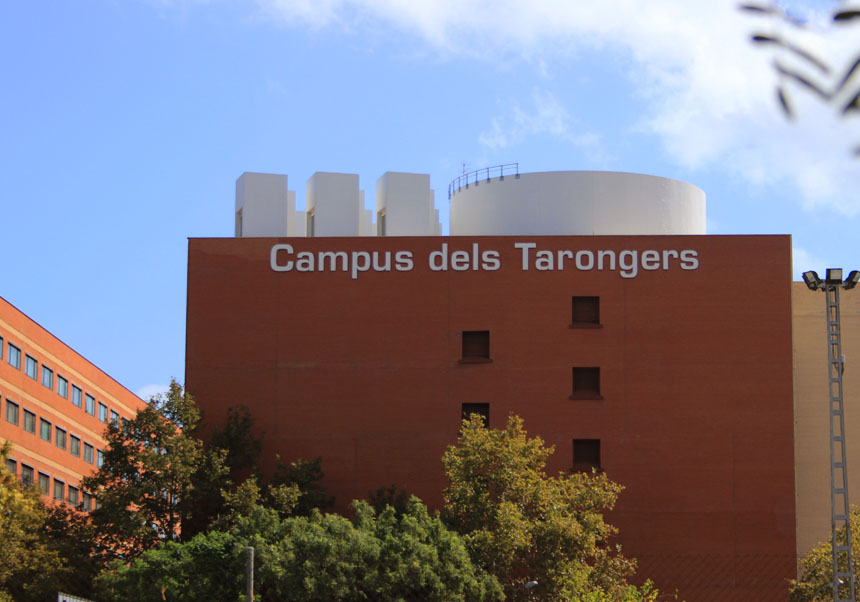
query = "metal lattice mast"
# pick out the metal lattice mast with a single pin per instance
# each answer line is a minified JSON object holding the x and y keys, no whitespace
{"x":840,"y":522}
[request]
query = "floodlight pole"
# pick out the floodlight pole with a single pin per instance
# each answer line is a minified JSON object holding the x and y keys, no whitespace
{"x":840,"y":516}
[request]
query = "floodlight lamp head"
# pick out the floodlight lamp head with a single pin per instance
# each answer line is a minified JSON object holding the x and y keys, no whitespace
{"x":852,"y":280}
{"x":834,"y":276}
{"x":812,"y":280}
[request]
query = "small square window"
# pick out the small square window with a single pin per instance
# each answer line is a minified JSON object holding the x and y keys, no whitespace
{"x":11,"y":412}
{"x":44,"y":483}
{"x":74,"y":446}
{"x":476,"y":345}
{"x":30,"y":422}
{"x":62,"y":387}
{"x":88,"y":453}
{"x":59,"y":490}
{"x":586,"y":383}
{"x":31,"y":367}
{"x":482,"y":409}
{"x":100,"y":458}
{"x":47,"y":377}
{"x":60,"y":437}
{"x":26,"y":475}
{"x":586,"y":455}
{"x":45,"y":430}
{"x":585,"y":312}
{"x":91,"y":405}
{"x":114,"y":418}
{"x":14,"y":357}
{"x":87,"y":502}
{"x":77,"y":396}
{"x":103,"y":412}
{"x":11,"y":466}
{"x":1,"y":348}
{"x":73,"y":496}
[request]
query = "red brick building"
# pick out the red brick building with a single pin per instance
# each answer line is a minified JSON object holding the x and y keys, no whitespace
{"x":664,"y":360}
{"x":56,"y":405}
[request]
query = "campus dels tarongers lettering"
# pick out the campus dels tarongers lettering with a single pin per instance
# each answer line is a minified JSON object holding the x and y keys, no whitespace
{"x":629,"y":263}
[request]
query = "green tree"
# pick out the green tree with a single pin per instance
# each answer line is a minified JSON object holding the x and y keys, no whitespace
{"x":310,"y":559}
{"x":816,"y":569}
{"x":307,"y":476}
{"x":29,"y":565}
{"x":522,"y":525}
{"x":145,"y":483}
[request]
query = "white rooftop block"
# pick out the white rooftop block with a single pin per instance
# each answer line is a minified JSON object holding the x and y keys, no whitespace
{"x":334,"y":205}
{"x":405,"y":205}
{"x":264,"y":206}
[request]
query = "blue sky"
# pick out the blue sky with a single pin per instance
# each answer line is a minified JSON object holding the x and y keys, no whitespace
{"x":126,"y":123}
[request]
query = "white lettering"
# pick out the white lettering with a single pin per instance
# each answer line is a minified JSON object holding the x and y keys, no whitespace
{"x":610,"y":255}
{"x":651,"y":260}
{"x":630,"y":268}
{"x":460,"y":260}
{"x":580,"y":265}
{"x":435,"y":255}
{"x":403,"y":261}
{"x":544,"y":261}
{"x":491,"y":261}
{"x":689,"y":260}
{"x":525,"y":246}
{"x":273,"y":258}
{"x":360,"y":266}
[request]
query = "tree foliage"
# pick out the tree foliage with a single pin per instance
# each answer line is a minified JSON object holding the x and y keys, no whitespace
{"x":307,"y":475}
{"x":522,"y":525}
{"x":145,"y":482}
{"x":816,"y":569}
{"x":310,"y":559}
{"x":798,"y":66}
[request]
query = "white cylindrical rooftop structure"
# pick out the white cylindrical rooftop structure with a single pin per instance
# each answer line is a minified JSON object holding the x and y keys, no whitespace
{"x":576,"y":203}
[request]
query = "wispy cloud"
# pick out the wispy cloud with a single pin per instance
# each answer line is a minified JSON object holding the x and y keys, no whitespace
{"x":703,"y":89}
{"x":545,"y":115}
{"x":803,"y":261}
{"x":148,"y":391}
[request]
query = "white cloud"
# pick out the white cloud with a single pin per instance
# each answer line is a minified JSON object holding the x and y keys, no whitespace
{"x":148,"y":391}
{"x":705,"y":91}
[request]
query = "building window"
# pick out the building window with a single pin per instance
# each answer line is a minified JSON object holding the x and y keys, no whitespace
{"x":100,"y":458}
{"x":14,"y":357}
{"x":77,"y":394}
{"x":11,"y":412}
{"x":91,"y":405}
{"x":586,"y":383}
{"x":476,"y":345}
{"x":44,"y":483}
{"x":88,"y":453}
{"x":26,"y":475}
{"x":11,"y":466}
{"x":47,"y":377}
{"x":586,"y":455}
{"x":103,"y":413}
{"x":74,"y":446}
{"x":585,"y":312}
{"x":31,"y":367}
{"x":30,"y":422}
{"x":114,"y":418}
{"x":60,"y":437}
{"x":62,"y":387}
{"x":73,"y":495}
{"x":87,"y":502}
{"x":482,"y":409}
{"x":59,"y":490}
{"x":45,"y":430}
{"x":1,"y":348}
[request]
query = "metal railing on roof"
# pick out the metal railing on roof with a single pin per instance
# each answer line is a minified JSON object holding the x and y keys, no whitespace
{"x":485,"y":174}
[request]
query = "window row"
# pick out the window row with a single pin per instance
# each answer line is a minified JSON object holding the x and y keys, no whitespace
{"x":586,"y":452}
{"x":48,"y":379}
{"x":16,"y":415}
{"x":60,"y":491}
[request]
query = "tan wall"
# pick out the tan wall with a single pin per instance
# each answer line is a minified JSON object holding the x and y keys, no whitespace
{"x":811,"y":427}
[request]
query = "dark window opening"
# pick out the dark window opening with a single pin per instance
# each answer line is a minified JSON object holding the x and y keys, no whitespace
{"x":585,"y":312}
{"x":476,"y":345}
{"x":586,"y":455}
{"x":482,"y":409}
{"x":586,"y":383}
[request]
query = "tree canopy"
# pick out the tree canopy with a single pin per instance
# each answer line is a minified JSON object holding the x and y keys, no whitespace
{"x":523,"y":525}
